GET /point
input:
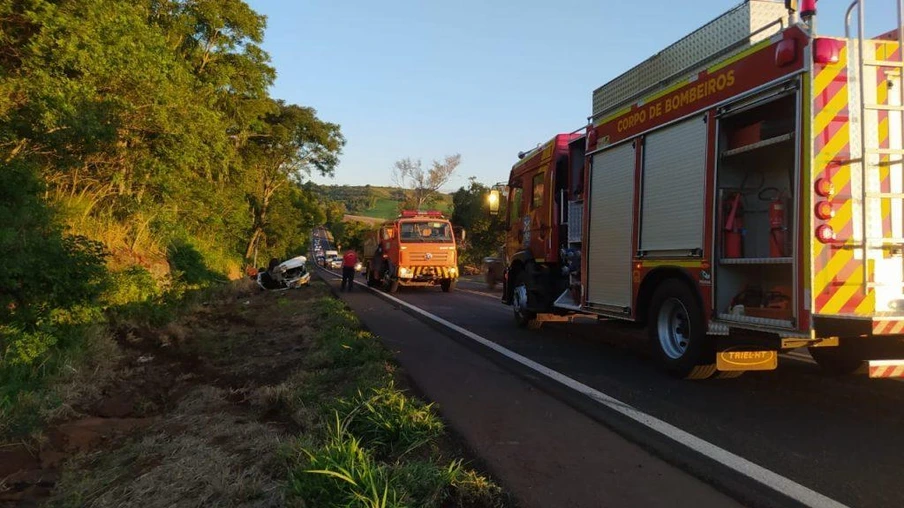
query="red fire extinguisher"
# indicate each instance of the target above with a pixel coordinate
(777, 227)
(732, 238)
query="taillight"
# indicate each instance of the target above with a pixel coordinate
(824, 210)
(825, 234)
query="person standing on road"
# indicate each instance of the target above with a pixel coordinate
(349, 260)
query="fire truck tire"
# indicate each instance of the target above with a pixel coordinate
(448, 285)
(393, 287)
(523, 317)
(677, 333)
(844, 359)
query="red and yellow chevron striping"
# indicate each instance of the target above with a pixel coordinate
(886, 369)
(888, 327)
(837, 280)
(837, 270)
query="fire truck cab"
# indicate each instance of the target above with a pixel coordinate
(741, 193)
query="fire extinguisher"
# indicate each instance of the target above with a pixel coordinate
(777, 225)
(732, 235)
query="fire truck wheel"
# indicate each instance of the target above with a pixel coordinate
(393, 287)
(677, 333)
(448, 285)
(519, 301)
(844, 359)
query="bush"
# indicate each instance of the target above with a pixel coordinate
(130, 286)
(188, 264)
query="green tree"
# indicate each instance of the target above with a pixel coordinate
(485, 232)
(139, 132)
(291, 144)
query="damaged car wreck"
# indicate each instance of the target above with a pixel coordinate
(289, 274)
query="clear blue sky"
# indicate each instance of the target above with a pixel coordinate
(484, 78)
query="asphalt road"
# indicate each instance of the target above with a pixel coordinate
(842, 437)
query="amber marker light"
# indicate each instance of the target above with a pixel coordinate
(824, 210)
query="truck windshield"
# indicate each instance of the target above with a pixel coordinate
(425, 232)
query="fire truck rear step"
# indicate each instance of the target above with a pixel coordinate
(565, 301)
(757, 321)
(885, 368)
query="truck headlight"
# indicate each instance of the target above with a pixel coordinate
(404, 272)
(453, 271)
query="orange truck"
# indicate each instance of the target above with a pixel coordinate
(741, 193)
(415, 249)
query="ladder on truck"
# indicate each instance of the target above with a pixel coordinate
(875, 238)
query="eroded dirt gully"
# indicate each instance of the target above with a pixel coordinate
(188, 415)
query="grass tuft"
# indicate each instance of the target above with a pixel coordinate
(389, 422)
(341, 473)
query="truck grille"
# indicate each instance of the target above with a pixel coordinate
(436, 257)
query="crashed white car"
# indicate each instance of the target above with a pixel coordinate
(289, 274)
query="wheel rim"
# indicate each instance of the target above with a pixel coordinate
(674, 328)
(519, 299)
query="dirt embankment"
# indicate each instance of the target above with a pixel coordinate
(186, 417)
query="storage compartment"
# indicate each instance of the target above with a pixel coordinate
(756, 189)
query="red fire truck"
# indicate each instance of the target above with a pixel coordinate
(741, 193)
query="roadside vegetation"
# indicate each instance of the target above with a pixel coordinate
(251, 399)
(143, 161)
(485, 232)
(375, 445)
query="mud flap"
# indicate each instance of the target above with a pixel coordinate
(744, 350)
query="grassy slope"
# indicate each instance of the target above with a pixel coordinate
(387, 208)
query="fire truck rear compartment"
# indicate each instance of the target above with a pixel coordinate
(756, 184)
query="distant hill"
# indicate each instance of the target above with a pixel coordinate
(373, 201)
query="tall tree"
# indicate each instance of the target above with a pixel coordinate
(421, 184)
(291, 144)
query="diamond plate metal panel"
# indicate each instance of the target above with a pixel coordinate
(692, 53)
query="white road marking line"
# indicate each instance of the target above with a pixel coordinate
(479, 293)
(734, 462)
